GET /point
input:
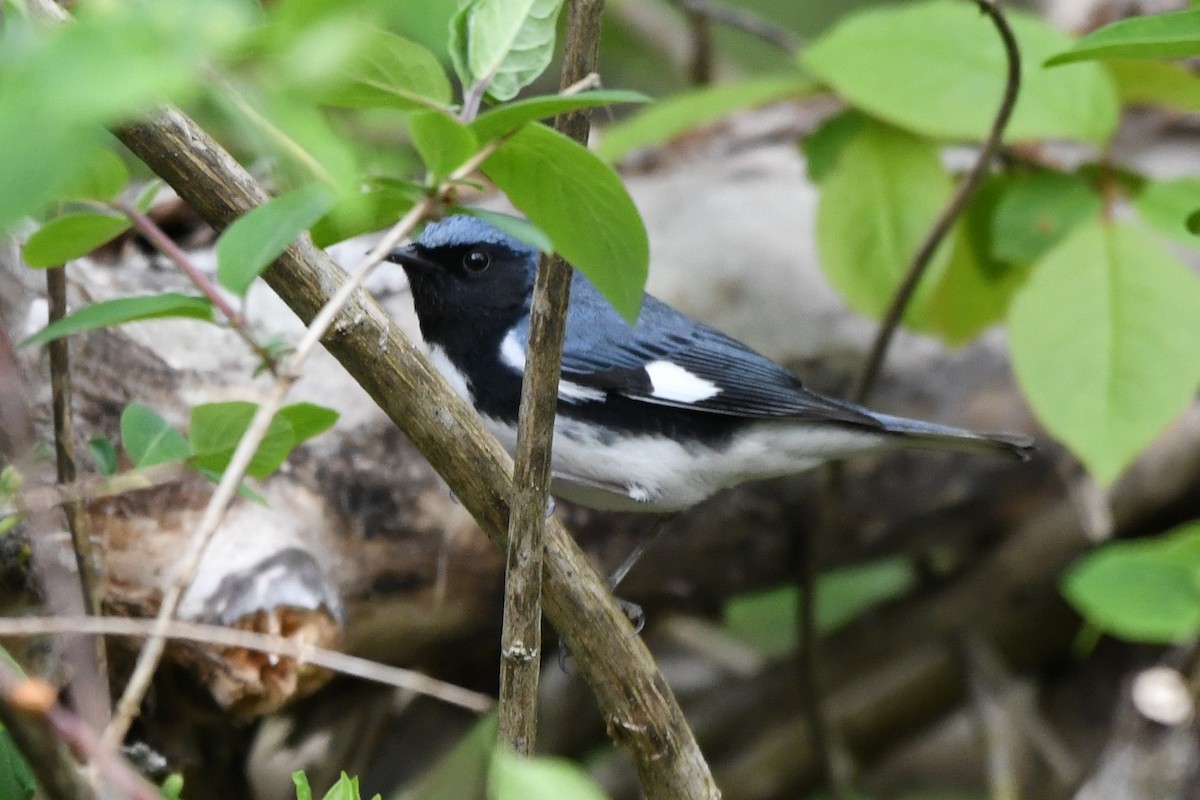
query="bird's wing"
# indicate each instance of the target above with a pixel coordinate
(671, 360)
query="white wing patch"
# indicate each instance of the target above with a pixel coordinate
(457, 381)
(673, 382)
(512, 354)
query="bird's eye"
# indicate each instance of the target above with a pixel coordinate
(476, 261)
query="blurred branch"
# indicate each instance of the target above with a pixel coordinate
(743, 19)
(945, 221)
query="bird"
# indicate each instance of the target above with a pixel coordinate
(653, 417)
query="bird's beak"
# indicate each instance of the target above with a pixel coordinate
(409, 257)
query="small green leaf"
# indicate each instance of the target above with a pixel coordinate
(579, 201)
(393, 72)
(516, 778)
(346, 788)
(823, 147)
(103, 454)
(145, 198)
(149, 439)
(257, 238)
(362, 212)
(308, 419)
(303, 790)
(1037, 211)
(172, 787)
(216, 428)
(496, 122)
(673, 116)
(72, 236)
(1175, 34)
(16, 778)
(505, 42)
(1141, 591)
(975, 291)
(1105, 343)
(516, 227)
(938, 68)
(876, 207)
(443, 142)
(1156, 83)
(1167, 205)
(109, 313)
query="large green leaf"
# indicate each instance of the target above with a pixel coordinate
(1167, 204)
(675, 115)
(1156, 83)
(498, 121)
(216, 428)
(73, 236)
(875, 208)
(580, 203)
(1037, 210)
(1172, 35)
(505, 42)
(974, 292)
(1106, 344)
(16, 778)
(256, 238)
(121, 310)
(149, 439)
(823, 147)
(443, 142)
(390, 71)
(938, 68)
(1143, 591)
(364, 211)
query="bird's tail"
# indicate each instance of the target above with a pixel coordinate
(917, 432)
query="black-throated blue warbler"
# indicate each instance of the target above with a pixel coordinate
(654, 417)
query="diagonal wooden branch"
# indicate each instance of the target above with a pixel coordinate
(520, 643)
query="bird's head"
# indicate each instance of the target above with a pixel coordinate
(465, 270)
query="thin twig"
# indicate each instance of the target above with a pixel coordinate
(743, 20)
(64, 452)
(214, 512)
(703, 50)
(221, 636)
(521, 635)
(941, 227)
(165, 245)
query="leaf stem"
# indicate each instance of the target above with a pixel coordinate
(941, 227)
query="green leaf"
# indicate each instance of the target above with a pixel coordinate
(308, 419)
(108, 313)
(257, 238)
(16, 778)
(505, 42)
(496, 122)
(823, 147)
(516, 778)
(216, 428)
(579, 201)
(103, 454)
(393, 72)
(1156, 83)
(172, 787)
(70, 237)
(1172, 35)
(463, 773)
(303, 790)
(1193, 222)
(1105, 343)
(346, 788)
(516, 227)
(1142, 591)
(938, 68)
(145, 197)
(362, 212)
(1167, 204)
(443, 142)
(149, 439)
(104, 177)
(672, 116)
(1037, 210)
(975, 291)
(875, 208)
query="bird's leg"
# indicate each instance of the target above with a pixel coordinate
(633, 610)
